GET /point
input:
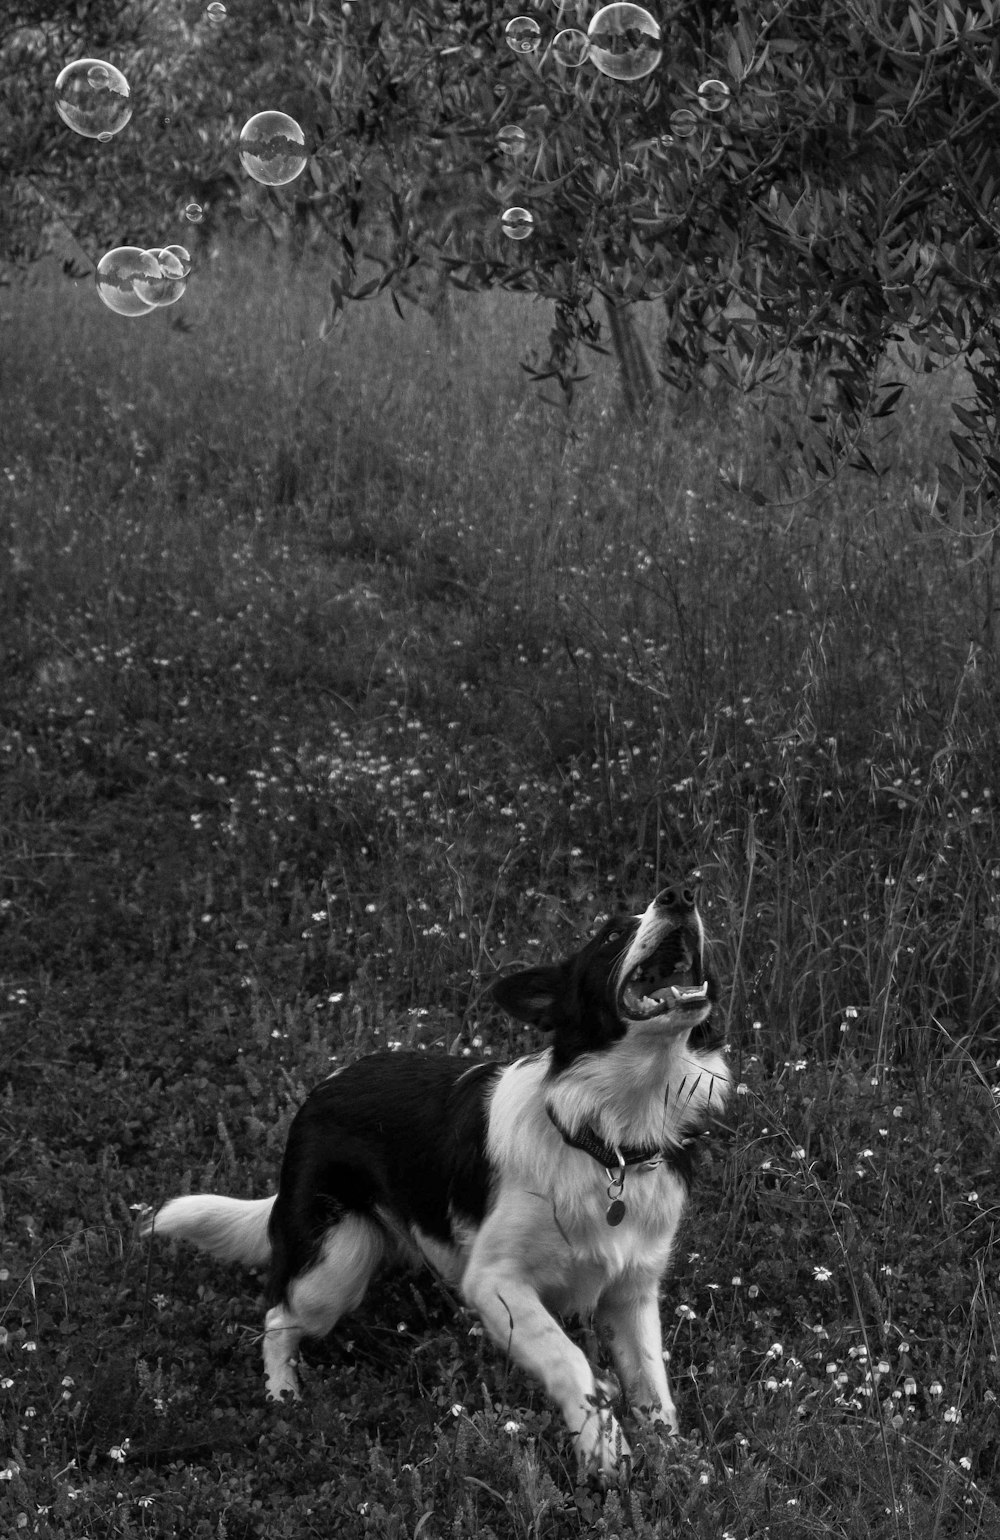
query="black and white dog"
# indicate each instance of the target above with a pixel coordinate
(550, 1186)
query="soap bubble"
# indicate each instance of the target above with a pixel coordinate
(216, 11)
(119, 275)
(93, 98)
(272, 148)
(713, 96)
(683, 123)
(169, 285)
(512, 140)
(570, 47)
(624, 42)
(194, 213)
(517, 223)
(183, 256)
(523, 34)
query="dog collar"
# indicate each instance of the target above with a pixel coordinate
(612, 1157)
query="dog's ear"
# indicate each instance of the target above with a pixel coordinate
(531, 995)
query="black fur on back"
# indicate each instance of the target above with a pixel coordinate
(401, 1132)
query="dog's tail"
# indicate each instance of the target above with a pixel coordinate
(234, 1229)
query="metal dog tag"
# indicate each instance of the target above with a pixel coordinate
(616, 1212)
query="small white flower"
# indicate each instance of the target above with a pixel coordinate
(512, 1427)
(457, 1409)
(952, 1414)
(822, 1274)
(685, 1313)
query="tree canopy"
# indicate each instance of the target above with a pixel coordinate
(788, 175)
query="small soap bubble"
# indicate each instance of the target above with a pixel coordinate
(683, 123)
(272, 148)
(194, 213)
(169, 284)
(517, 223)
(93, 98)
(523, 34)
(512, 140)
(713, 96)
(570, 48)
(624, 42)
(119, 274)
(216, 11)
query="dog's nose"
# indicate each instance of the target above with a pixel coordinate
(678, 897)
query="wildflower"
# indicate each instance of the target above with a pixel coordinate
(457, 1409)
(952, 1414)
(935, 1389)
(512, 1427)
(822, 1274)
(685, 1313)
(119, 1452)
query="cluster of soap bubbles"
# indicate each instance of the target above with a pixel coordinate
(622, 41)
(133, 282)
(94, 99)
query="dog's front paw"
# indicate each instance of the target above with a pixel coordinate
(282, 1380)
(601, 1446)
(658, 1418)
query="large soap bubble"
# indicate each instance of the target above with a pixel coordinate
(93, 98)
(120, 275)
(624, 42)
(272, 148)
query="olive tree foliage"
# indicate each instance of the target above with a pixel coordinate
(848, 195)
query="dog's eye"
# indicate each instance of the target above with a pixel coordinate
(612, 937)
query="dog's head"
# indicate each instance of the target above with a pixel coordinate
(644, 973)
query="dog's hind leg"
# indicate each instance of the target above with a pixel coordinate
(314, 1301)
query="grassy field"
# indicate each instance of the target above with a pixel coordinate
(334, 678)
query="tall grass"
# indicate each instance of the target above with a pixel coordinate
(336, 676)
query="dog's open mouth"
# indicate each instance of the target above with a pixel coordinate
(669, 979)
